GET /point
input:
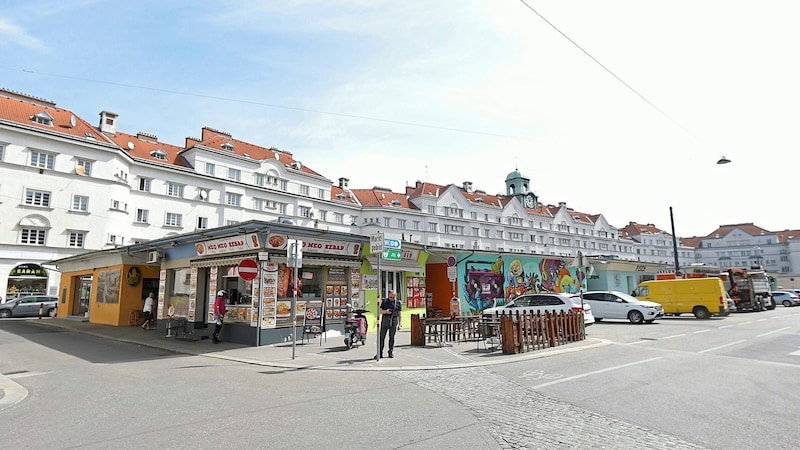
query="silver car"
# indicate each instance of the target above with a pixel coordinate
(29, 306)
(785, 298)
(619, 305)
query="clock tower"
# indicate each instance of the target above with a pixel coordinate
(518, 186)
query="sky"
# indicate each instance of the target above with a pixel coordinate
(619, 108)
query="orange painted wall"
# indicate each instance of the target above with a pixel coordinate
(439, 286)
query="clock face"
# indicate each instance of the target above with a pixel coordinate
(529, 201)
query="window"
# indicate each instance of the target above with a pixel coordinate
(338, 217)
(304, 190)
(2, 151)
(304, 211)
(321, 194)
(272, 180)
(142, 216)
(500, 234)
(202, 223)
(80, 203)
(42, 160)
(76, 239)
(455, 211)
(432, 227)
(476, 231)
(174, 190)
(231, 222)
(258, 204)
(211, 169)
(323, 215)
(415, 225)
(173, 220)
(159, 154)
(473, 215)
(84, 167)
(515, 221)
(43, 118)
(258, 179)
(387, 222)
(431, 209)
(32, 236)
(401, 223)
(281, 208)
(233, 199)
(118, 205)
(144, 184)
(37, 198)
(234, 174)
(283, 184)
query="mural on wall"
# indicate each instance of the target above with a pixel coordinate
(490, 281)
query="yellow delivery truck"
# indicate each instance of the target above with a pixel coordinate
(703, 297)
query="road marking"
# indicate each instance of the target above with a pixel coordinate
(745, 323)
(722, 346)
(674, 336)
(13, 393)
(795, 353)
(773, 331)
(726, 326)
(596, 372)
(702, 331)
(760, 320)
(14, 376)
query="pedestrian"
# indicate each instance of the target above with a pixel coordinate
(390, 321)
(219, 314)
(148, 310)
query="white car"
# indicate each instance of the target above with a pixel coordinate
(542, 302)
(619, 305)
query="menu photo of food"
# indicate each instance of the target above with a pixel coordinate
(336, 303)
(300, 308)
(276, 241)
(267, 321)
(337, 290)
(283, 309)
(329, 290)
(329, 302)
(329, 314)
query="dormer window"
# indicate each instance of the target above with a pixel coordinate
(43, 118)
(228, 146)
(90, 135)
(159, 154)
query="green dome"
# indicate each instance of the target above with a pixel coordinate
(515, 175)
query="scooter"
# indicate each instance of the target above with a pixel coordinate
(355, 328)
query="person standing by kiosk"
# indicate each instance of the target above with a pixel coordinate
(219, 314)
(390, 321)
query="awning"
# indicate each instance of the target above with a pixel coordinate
(404, 265)
(216, 262)
(312, 261)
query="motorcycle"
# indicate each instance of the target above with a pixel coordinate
(355, 328)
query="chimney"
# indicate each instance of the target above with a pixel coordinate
(343, 182)
(562, 204)
(468, 186)
(108, 122)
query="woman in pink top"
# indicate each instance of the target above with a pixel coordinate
(219, 313)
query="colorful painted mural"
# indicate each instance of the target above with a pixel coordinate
(492, 281)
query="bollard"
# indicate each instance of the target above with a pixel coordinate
(41, 309)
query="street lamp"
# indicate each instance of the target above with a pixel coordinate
(675, 244)
(758, 256)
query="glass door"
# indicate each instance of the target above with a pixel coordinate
(82, 298)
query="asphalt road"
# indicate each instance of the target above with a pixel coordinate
(731, 383)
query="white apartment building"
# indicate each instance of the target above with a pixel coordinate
(67, 187)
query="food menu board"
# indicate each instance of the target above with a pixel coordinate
(355, 289)
(212, 292)
(269, 295)
(313, 316)
(335, 302)
(415, 292)
(162, 289)
(192, 296)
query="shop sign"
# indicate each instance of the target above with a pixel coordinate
(28, 270)
(228, 245)
(324, 246)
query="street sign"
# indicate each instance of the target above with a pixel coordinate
(451, 261)
(452, 273)
(376, 243)
(391, 243)
(248, 269)
(392, 254)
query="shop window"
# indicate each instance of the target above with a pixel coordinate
(179, 287)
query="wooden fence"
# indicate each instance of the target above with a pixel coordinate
(524, 332)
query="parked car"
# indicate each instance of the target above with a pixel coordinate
(29, 306)
(542, 302)
(785, 298)
(619, 305)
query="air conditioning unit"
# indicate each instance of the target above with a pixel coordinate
(153, 256)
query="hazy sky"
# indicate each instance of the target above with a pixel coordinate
(389, 92)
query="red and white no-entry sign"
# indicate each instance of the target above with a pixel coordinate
(248, 269)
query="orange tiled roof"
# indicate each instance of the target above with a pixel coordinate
(20, 108)
(748, 228)
(143, 146)
(382, 197)
(340, 195)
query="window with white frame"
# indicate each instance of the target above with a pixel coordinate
(258, 179)
(42, 160)
(401, 223)
(202, 223)
(258, 204)
(304, 211)
(211, 169)
(321, 193)
(144, 184)
(515, 221)
(476, 231)
(415, 224)
(281, 208)
(338, 217)
(454, 229)
(119, 205)
(486, 232)
(173, 220)
(84, 167)
(515, 236)
(233, 199)
(455, 211)
(174, 189)
(283, 185)
(2, 151)
(234, 174)
(431, 209)
(76, 239)
(323, 215)
(80, 203)
(473, 215)
(35, 197)
(387, 222)
(32, 236)
(499, 234)
(142, 216)
(43, 118)
(432, 227)
(272, 180)
(304, 190)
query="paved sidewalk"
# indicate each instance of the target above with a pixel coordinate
(322, 353)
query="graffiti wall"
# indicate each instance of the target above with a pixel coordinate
(488, 281)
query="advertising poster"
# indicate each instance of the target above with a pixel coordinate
(212, 292)
(268, 294)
